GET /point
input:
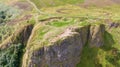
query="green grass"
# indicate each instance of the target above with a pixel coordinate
(61, 23)
(5, 31)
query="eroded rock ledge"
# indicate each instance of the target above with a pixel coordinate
(66, 52)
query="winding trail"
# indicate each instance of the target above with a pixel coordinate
(40, 12)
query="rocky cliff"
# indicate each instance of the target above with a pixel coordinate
(66, 50)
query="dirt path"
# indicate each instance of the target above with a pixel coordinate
(35, 7)
(38, 10)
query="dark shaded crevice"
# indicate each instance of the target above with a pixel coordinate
(23, 38)
(88, 36)
(108, 42)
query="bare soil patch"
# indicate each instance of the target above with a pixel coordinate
(99, 3)
(23, 5)
(111, 24)
(12, 22)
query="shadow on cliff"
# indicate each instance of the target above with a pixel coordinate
(108, 42)
(89, 56)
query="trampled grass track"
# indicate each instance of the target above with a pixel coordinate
(35, 7)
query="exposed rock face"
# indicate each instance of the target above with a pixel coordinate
(67, 52)
(96, 36)
(114, 25)
(24, 34)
